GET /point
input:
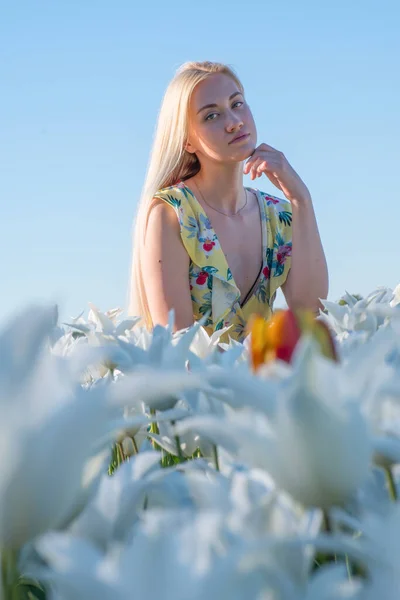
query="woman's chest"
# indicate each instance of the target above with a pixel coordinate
(241, 241)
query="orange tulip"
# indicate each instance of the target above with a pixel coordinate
(277, 338)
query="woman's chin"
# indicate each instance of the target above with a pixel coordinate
(247, 150)
(249, 154)
(245, 153)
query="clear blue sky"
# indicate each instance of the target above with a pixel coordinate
(81, 84)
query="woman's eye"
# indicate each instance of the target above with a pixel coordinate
(214, 113)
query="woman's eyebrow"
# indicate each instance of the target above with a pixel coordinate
(214, 105)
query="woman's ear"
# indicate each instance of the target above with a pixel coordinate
(189, 148)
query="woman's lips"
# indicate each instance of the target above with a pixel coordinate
(240, 139)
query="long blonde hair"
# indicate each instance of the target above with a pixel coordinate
(169, 163)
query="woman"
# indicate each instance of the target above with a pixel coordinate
(204, 244)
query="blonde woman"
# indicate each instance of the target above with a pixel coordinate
(203, 243)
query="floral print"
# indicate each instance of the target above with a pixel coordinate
(272, 200)
(215, 296)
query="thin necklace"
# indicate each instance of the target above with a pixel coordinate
(220, 211)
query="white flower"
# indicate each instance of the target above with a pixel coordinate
(395, 301)
(50, 431)
(193, 557)
(365, 315)
(103, 322)
(315, 445)
(157, 388)
(73, 569)
(109, 516)
(377, 543)
(332, 582)
(204, 345)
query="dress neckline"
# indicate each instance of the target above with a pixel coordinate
(250, 294)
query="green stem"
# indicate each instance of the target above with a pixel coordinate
(154, 429)
(9, 574)
(216, 461)
(327, 525)
(154, 425)
(326, 521)
(349, 567)
(135, 445)
(114, 460)
(391, 484)
(120, 454)
(178, 445)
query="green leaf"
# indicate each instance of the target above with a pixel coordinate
(175, 202)
(30, 589)
(204, 309)
(210, 270)
(270, 254)
(279, 268)
(285, 217)
(186, 192)
(262, 294)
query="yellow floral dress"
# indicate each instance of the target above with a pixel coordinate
(215, 295)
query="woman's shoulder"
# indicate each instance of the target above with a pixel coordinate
(179, 198)
(169, 188)
(177, 191)
(271, 200)
(180, 187)
(277, 209)
(171, 194)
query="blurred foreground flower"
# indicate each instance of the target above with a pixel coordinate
(43, 408)
(315, 442)
(233, 473)
(278, 337)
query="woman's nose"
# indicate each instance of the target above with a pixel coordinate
(234, 123)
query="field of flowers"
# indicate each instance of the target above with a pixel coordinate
(156, 467)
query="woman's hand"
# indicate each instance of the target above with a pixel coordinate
(274, 164)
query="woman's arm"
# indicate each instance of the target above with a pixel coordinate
(165, 268)
(307, 280)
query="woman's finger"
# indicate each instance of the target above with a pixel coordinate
(249, 164)
(262, 167)
(269, 167)
(254, 166)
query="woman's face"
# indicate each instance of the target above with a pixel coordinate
(212, 128)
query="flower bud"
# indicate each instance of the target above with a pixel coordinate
(277, 338)
(128, 447)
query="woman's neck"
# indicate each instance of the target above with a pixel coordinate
(221, 188)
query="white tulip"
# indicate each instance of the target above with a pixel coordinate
(50, 430)
(316, 445)
(107, 515)
(203, 344)
(333, 583)
(377, 541)
(158, 389)
(191, 557)
(76, 569)
(395, 301)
